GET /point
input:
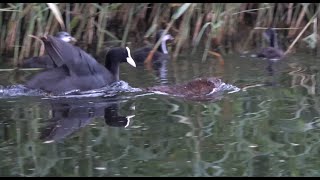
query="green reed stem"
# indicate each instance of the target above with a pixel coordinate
(103, 21)
(17, 40)
(126, 31)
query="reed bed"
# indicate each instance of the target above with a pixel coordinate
(218, 28)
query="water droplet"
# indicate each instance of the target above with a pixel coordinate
(135, 127)
(189, 134)
(49, 141)
(100, 168)
(293, 144)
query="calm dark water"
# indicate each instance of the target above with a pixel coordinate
(269, 130)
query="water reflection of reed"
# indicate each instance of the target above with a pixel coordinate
(301, 77)
(202, 126)
(261, 132)
(256, 139)
(170, 138)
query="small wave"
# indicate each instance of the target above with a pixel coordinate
(19, 90)
(227, 87)
(107, 91)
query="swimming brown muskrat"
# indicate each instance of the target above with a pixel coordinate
(200, 89)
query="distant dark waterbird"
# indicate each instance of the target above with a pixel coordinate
(273, 52)
(159, 60)
(141, 54)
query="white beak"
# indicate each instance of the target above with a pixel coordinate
(129, 59)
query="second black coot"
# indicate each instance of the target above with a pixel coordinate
(162, 53)
(45, 61)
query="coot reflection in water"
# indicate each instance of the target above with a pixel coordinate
(70, 115)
